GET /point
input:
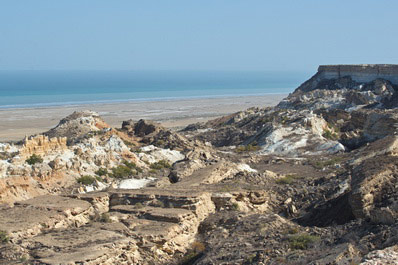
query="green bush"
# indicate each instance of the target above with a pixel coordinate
(101, 172)
(4, 237)
(86, 180)
(125, 170)
(132, 165)
(160, 165)
(328, 134)
(33, 159)
(302, 241)
(121, 171)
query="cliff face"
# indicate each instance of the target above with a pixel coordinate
(42, 145)
(362, 73)
(347, 87)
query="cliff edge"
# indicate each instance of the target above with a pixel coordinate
(347, 87)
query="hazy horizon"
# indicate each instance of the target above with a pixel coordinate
(195, 36)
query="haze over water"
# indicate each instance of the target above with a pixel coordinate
(21, 89)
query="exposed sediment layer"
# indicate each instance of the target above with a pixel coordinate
(361, 72)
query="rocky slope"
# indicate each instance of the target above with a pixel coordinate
(310, 181)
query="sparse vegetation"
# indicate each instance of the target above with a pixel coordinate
(4, 237)
(86, 180)
(160, 143)
(246, 148)
(128, 143)
(33, 159)
(292, 230)
(152, 171)
(331, 132)
(136, 150)
(159, 204)
(138, 205)
(319, 164)
(160, 165)
(125, 170)
(121, 171)
(94, 133)
(288, 179)
(196, 251)
(101, 172)
(302, 241)
(235, 206)
(284, 119)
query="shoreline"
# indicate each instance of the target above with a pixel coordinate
(125, 101)
(174, 113)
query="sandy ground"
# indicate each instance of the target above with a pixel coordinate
(16, 123)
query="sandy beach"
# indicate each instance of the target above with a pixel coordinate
(16, 123)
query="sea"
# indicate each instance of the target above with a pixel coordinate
(36, 89)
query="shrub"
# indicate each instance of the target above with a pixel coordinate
(246, 148)
(125, 170)
(152, 171)
(160, 164)
(196, 251)
(328, 134)
(4, 237)
(86, 180)
(158, 203)
(33, 159)
(326, 163)
(121, 171)
(138, 205)
(101, 172)
(288, 179)
(302, 241)
(132, 165)
(160, 142)
(235, 206)
(198, 247)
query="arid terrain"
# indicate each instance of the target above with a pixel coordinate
(313, 180)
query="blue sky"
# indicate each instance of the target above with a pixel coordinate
(251, 35)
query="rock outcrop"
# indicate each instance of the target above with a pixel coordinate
(78, 125)
(42, 145)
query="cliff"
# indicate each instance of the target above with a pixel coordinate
(347, 87)
(356, 73)
(362, 73)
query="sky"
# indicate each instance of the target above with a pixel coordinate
(215, 35)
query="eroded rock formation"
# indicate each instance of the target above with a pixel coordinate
(311, 181)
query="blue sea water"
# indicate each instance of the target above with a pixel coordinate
(23, 89)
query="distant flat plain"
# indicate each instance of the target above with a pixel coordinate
(16, 123)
